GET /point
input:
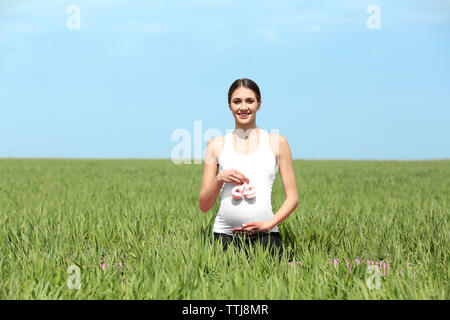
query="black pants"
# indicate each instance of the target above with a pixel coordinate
(270, 241)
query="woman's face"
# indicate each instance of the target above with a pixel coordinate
(244, 105)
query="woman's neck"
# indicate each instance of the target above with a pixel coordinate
(244, 131)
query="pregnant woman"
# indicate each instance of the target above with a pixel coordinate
(242, 166)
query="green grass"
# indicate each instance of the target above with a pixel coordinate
(144, 214)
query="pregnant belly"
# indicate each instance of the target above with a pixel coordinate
(236, 214)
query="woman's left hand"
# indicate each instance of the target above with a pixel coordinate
(253, 227)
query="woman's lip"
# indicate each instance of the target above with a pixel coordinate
(244, 115)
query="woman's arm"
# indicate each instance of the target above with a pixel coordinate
(289, 183)
(210, 184)
(211, 181)
(290, 191)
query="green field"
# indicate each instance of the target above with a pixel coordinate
(144, 214)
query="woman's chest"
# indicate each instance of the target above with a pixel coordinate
(255, 165)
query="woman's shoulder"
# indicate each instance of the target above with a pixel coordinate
(216, 145)
(277, 142)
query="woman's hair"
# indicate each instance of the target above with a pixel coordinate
(247, 83)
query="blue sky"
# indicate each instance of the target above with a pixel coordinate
(136, 71)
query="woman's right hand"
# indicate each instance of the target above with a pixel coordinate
(232, 176)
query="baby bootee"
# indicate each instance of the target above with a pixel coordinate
(238, 191)
(249, 191)
(246, 190)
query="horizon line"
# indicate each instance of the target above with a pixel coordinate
(195, 161)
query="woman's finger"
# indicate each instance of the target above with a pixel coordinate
(238, 176)
(241, 179)
(234, 181)
(238, 229)
(241, 174)
(249, 224)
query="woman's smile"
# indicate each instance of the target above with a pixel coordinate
(243, 114)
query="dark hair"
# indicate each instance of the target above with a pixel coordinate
(247, 83)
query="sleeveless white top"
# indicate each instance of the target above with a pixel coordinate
(260, 167)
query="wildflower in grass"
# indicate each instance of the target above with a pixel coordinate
(293, 265)
(348, 266)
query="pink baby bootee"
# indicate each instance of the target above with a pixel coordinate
(246, 190)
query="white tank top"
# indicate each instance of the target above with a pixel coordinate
(260, 167)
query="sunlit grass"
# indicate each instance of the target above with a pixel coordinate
(144, 215)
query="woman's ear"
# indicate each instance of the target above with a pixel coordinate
(259, 106)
